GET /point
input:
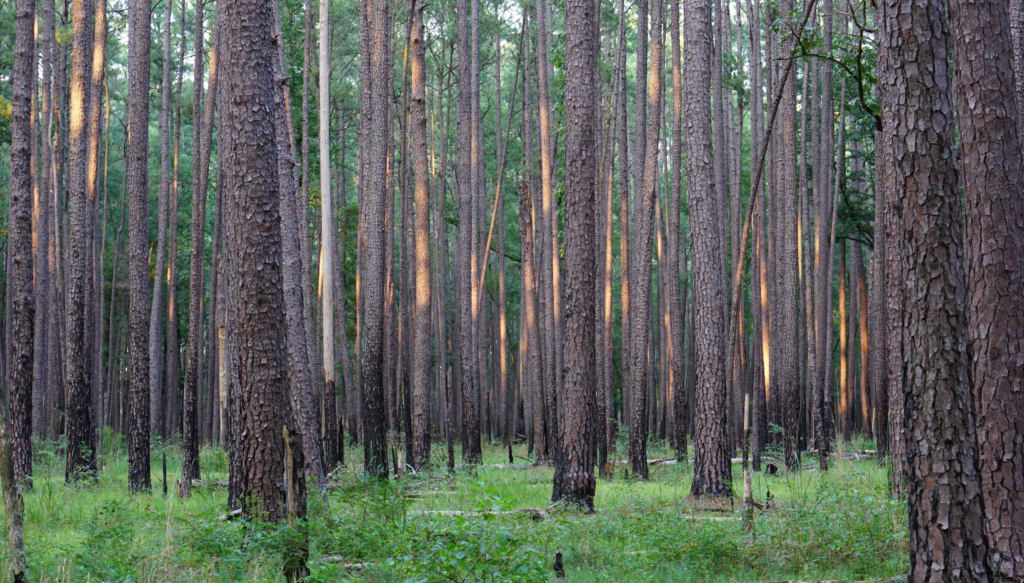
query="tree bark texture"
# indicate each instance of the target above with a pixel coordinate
(994, 195)
(712, 471)
(253, 200)
(947, 535)
(578, 400)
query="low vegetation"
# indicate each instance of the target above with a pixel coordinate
(432, 526)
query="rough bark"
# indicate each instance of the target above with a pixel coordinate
(327, 235)
(14, 505)
(759, 307)
(303, 399)
(20, 300)
(42, 224)
(157, 399)
(253, 197)
(202, 138)
(712, 471)
(377, 22)
(676, 258)
(577, 401)
(1016, 15)
(640, 261)
(547, 231)
(420, 429)
(784, 317)
(947, 535)
(987, 112)
(81, 434)
(622, 116)
(877, 338)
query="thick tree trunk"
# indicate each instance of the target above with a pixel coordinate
(42, 211)
(712, 471)
(377, 22)
(824, 277)
(94, 297)
(947, 534)
(17, 447)
(577, 400)
(305, 418)
(252, 172)
(784, 317)
(994, 195)
(640, 261)
(420, 430)
(81, 435)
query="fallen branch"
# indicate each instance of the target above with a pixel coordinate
(230, 515)
(345, 565)
(537, 514)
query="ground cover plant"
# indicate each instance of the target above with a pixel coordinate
(486, 523)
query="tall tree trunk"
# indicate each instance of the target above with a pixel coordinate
(94, 297)
(857, 258)
(806, 249)
(712, 471)
(502, 336)
(41, 226)
(877, 337)
(547, 231)
(824, 277)
(606, 398)
(577, 401)
(845, 407)
(202, 138)
(157, 399)
(81, 435)
(420, 430)
(784, 317)
(305, 418)
(640, 261)
(947, 539)
(532, 296)
(471, 413)
(464, 186)
(377, 21)
(173, 345)
(994, 196)
(622, 117)
(20, 301)
(253, 192)
(676, 258)
(327, 234)
(758, 265)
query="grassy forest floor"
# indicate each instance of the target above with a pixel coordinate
(842, 524)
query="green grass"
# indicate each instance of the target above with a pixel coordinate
(836, 525)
